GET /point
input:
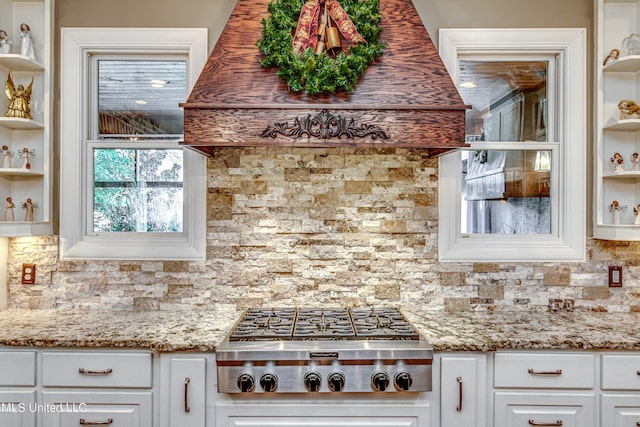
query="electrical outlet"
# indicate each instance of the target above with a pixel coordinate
(28, 274)
(615, 276)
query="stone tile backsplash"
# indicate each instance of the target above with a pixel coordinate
(323, 226)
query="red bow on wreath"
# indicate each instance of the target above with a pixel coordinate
(306, 34)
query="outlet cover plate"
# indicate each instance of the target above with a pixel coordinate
(28, 274)
(615, 276)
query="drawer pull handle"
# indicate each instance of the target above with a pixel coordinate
(556, 372)
(85, 372)
(187, 409)
(459, 406)
(84, 422)
(557, 423)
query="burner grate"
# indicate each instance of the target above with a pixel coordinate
(382, 323)
(323, 324)
(265, 324)
(285, 324)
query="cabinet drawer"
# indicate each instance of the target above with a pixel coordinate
(620, 410)
(18, 368)
(620, 372)
(544, 409)
(66, 369)
(78, 409)
(545, 370)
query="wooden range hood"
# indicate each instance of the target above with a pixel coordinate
(405, 99)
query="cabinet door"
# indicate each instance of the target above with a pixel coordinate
(23, 368)
(95, 408)
(621, 372)
(462, 386)
(531, 409)
(183, 391)
(321, 422)
(97, 415)
(620, 410)
(17, 408)
(323, 412)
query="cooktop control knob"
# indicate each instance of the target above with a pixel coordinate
(269, 382)
(380, 381)
(403, 381)
(312, 381)
(336, 381)
(246, 383)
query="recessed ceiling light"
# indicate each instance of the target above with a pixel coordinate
(158, 82)
(141, 102)
(156, 85)
(468, 85)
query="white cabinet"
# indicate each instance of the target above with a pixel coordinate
(544, 370)
(96, 369)
(183, 392)
(520, 409)
(322, 412)
(17, 388)
(620, 410)
(544, 389)
(90, 408)
(16, 408)
(18, 181)
(620, 399)
(97, 388)
(463, 390)
(614, 133)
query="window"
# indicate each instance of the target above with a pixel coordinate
(518, 192)
(128, 190)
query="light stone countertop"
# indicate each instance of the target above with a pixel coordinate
(156, 330)
(202, 331)
(528, 330)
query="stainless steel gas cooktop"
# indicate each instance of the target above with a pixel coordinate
(300, 350)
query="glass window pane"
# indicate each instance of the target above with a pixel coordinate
(508, 99)
(137, 190)
(506, 192)
(140, 99)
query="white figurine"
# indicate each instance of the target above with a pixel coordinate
(5, 43)
(26, 48)
(617, 162)
(8, 213)
(29, 207)
(636, 213)
(615, 208)
(6, 157)
(27, 154)
(635, 162)
(613, 55)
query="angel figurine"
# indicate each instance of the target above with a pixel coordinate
(616, 208)
(636, 213)
(26, 47)
(613, 55)
(617, 162)
(8, 213)
(6, 156)
(29, 207)
(5, 43)
(19, 99)
(635, 162)
(26, 155)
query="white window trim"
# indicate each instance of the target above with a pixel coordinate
(568, 242)
(75, 241)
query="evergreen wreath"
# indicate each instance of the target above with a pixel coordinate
(319, 73)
